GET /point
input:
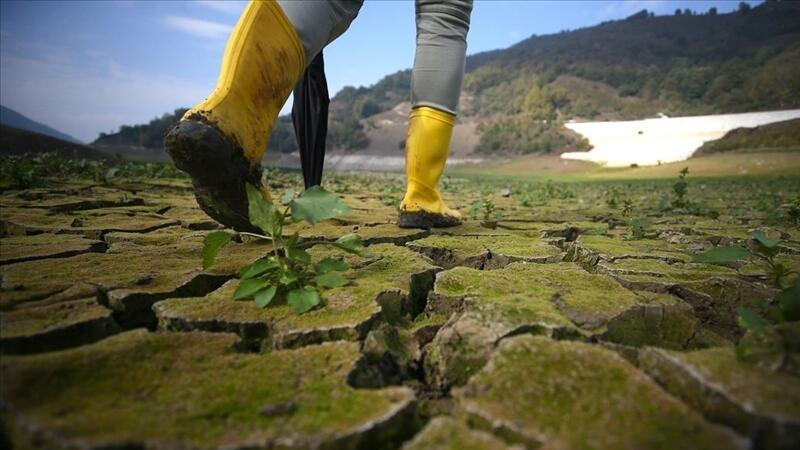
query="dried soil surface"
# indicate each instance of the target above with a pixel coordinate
(550, 324)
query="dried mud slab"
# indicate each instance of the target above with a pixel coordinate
(559, 300)
(71, 199)
(445, 433)
(378, 233)
(757, 402)
(136, 271)
(392, 281)
(32, 329)
(91, 224)
(661, 320)
(27, 248)
(561, 394)
(192, 390)
(588, 250)
(485, 252)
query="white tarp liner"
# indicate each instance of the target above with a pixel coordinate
(650, 141)
(380, 162)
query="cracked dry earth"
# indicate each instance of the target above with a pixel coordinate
(536, 333)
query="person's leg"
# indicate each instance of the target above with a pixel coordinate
(220, 141)
(435, 86)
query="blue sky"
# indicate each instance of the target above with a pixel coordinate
(89, 66)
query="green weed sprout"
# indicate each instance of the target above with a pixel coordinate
(486, 210)
(680, 188)
(638, 227)
(288, 271)
(766, 249)
(761, 248)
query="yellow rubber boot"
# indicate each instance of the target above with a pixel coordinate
(220, 141)
(427, 146)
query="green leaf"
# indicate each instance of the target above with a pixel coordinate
(723, 254)
(749, 319)
(298, 255)
(790, 302)
(263, 213)
(330, 264)
(288, 196)
(249, 287)
(264, 296)
(762, 238)
(303, 299)
(212, 244)
(350, 243)
(287, 279)
(316, 204)
(331, 280)
(257, 268)
(294, 253)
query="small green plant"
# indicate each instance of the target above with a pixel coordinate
(33, 170)
(793, 211)
(611, 198)
(680, 188)
(287, 271)
(761, 248)
(627, 207)
(787, 307)
(390, 195)
(638, 227)
(525, 199)
(486, 210)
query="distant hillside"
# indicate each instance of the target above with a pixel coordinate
(779, 136)
(683, 64)
(145, 141)
(140, 140)
(14, 141)
(14, 119)
(516, 100)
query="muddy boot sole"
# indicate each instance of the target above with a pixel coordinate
(425, 219)
(218, 168)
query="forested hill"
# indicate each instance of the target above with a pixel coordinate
(682, 64)
(692, 62)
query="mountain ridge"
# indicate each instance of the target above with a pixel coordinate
(14, 119)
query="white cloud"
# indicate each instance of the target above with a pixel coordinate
(226, 6)
(83, 95)
(198, 27)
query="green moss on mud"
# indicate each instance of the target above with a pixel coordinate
(761, 403)
(445, 433)
(192, 389)
(20, 248)
(548, 291)
(32, 320)
(458, 250)
(766, 390)
(662, 271)
(610, 247)
(537, 390)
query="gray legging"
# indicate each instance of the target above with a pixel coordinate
(442, 27)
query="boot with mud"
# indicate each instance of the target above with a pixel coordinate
(220, 142)
(427, 145)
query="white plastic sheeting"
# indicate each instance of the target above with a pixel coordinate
(662, 140)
